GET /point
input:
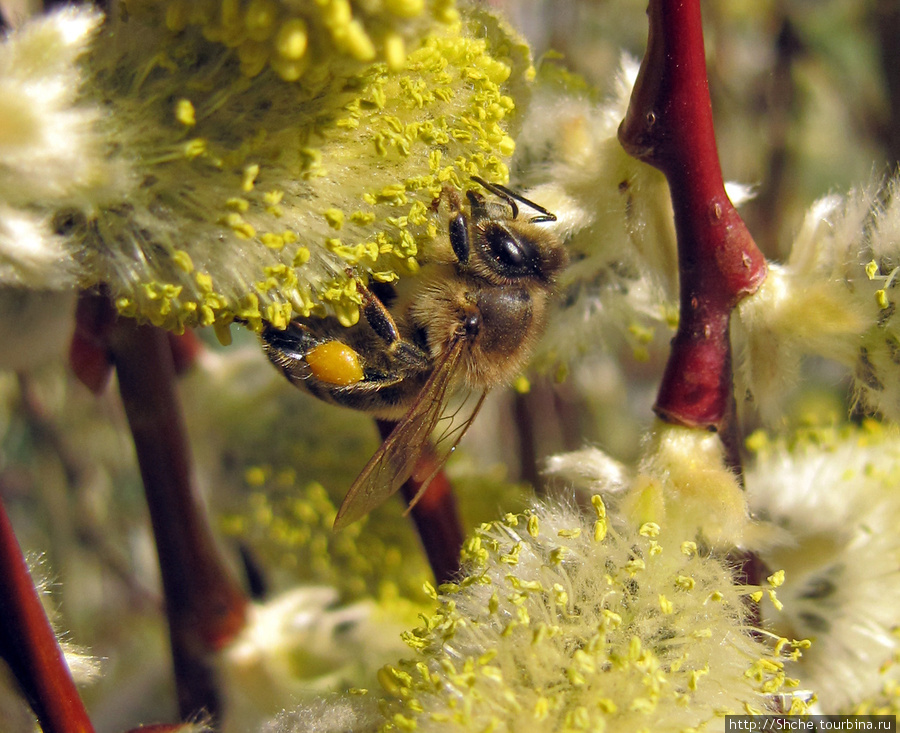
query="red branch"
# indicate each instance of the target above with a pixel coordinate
(435, 516)
(29, 646)
(204, 605)
(669, 126)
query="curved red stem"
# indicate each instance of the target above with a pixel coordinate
(29, 646)
(669, 126)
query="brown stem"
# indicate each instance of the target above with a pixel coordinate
(436, 516)
(29, 646)
(669, 126)
(204, 605)
(887, 22)
(526, 439)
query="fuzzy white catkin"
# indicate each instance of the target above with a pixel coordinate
(567, 621)
(339, 645)
(334, 714)
(613, 212)
(201, 185)
(835, 297)
(50, 156)
(834, 498)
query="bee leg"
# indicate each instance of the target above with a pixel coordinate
(459, 228)
(382, 323)
(378, 316)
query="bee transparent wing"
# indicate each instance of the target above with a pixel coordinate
(395, 460)
(446, 444)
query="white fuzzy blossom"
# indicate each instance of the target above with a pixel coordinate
(563, 622)
(834, 496)
(50, 155)
(833, 298)
(680, 482)
(825, 511)
(220, 163)
(329, 714)
(300, 646)
(613, 212)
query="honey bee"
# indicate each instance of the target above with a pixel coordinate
(470, 318)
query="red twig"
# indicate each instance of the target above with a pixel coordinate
(29, 646)
(669, 125)
(89, 356)
(204, 605)
(435, 516)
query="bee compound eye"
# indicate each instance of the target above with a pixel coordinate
(335, 363)
(506, 249)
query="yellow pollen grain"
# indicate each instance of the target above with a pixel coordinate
(405, 8)
(253, 56)
(248, 177)
(358, 42)
(289, 69)
(204, 282)
(272, 240)
(506, 146)
(184, 113)
(236, 203)
(301, 257)
(665, 605)
(194, 148)
(259, 19)
(335, 218)
(394, 51)
(242, 228)
(291, 39)
(337, 13)
(522, 385)
(183, 261)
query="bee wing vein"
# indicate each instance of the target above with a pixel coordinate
(395, 460)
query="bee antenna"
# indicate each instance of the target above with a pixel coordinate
(511, 197)
(502, 192)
